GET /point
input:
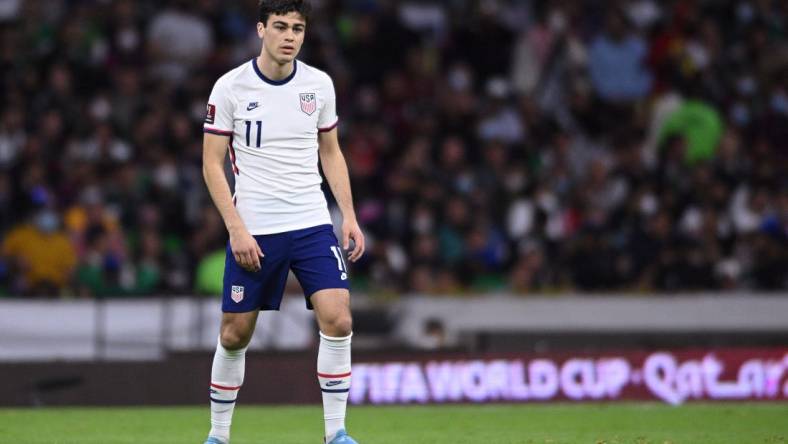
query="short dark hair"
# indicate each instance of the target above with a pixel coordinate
(282, 7)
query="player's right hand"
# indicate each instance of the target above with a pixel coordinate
(246, 250)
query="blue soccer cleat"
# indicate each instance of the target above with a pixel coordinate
(342, 438)
(214, 440)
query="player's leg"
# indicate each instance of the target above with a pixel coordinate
(320, 268)
(245, 293)
(332, 310)
(227, 372)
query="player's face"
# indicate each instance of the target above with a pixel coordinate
(283, 36)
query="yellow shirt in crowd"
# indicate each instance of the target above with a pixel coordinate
(44, 257)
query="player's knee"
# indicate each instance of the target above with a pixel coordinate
(233, 339)
(340, 326)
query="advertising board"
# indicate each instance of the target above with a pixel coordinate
(674, 377)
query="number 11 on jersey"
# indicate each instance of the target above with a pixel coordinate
(259, 125)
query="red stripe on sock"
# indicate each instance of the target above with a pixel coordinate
(221, 387)
(326, 375)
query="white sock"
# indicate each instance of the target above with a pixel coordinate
(227, 376)
(333, 373)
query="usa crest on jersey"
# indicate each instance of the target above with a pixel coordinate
(308, 103)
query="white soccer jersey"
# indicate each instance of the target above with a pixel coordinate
(273, 128)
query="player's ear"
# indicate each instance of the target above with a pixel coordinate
(260, 29)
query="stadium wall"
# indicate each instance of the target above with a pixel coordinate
(150, 329)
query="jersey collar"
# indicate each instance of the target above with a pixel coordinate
(274, 82)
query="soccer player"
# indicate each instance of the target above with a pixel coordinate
(277, 115)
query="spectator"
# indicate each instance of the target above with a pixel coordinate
(617, 62)
(178, 40)
(39, 255)
(700, 125)
(636, 149)
(210, 272)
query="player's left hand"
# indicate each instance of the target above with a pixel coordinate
(351, 230)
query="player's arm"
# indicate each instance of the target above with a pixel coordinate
(245, 248)
(336, 172)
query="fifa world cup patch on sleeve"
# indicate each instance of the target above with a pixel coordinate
(211, 115)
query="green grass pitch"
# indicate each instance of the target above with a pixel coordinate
(637, 423)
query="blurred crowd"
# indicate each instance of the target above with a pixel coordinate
(518, 146)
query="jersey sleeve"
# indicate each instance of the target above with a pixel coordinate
(328, 120)
(219, 115)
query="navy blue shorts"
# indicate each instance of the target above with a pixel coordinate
(313, 254)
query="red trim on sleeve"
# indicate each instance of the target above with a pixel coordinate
(218, 132)
(329, 128)
(232, 158)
